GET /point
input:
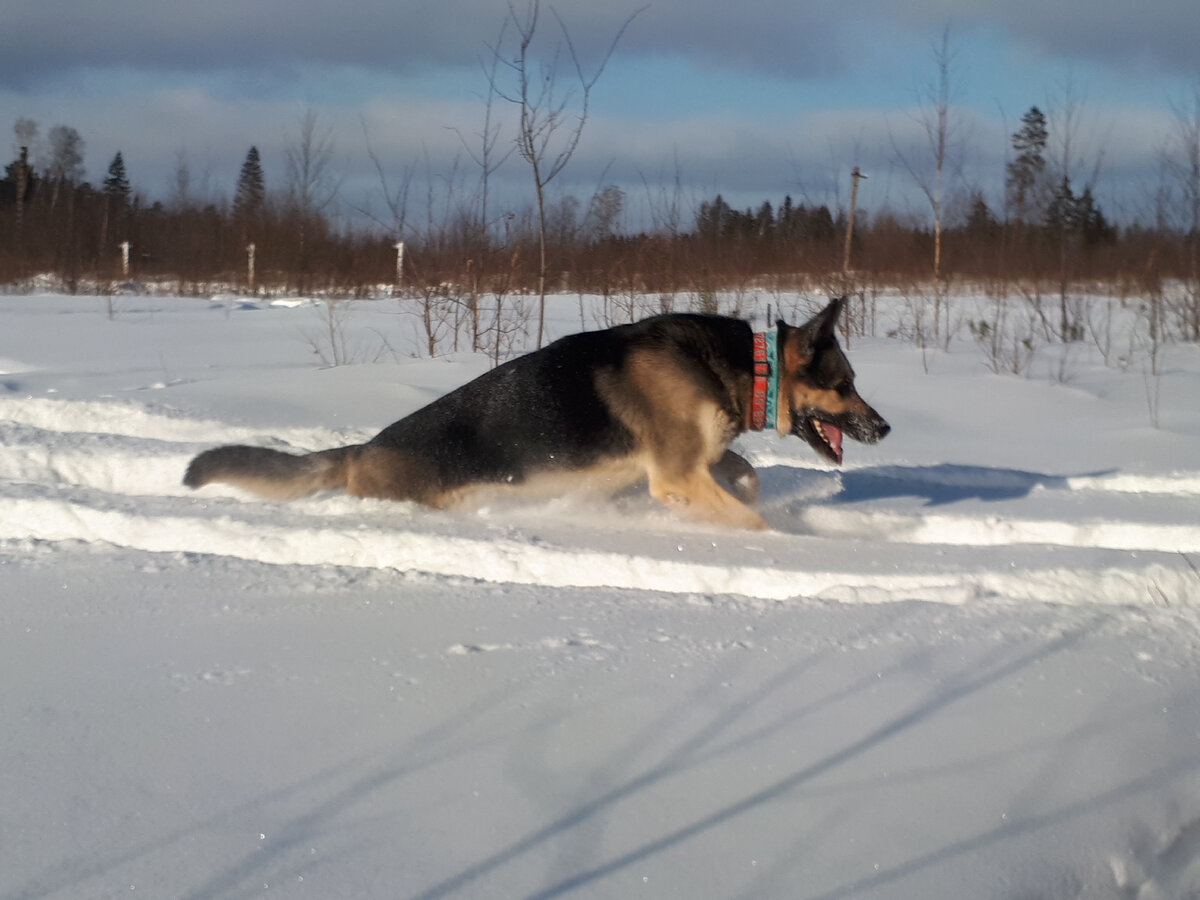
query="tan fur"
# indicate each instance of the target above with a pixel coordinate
(830, 401)
(791, 360)
(385, 474)
(602, 480)
(281, 492)
(697, 495)
(682, 434)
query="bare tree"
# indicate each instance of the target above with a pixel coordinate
(1066, 116)
(488, 159)
(311, 184)
(604, 209)
(25, 132)
(310, 181)
(546, 136)
(665, 202)
(1182, 164)
(486, 156)
(395, 198)
(64, 164)
(943, 136)
(181, 183)
(1065, 161)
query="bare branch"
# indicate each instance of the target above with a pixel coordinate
(542, 115)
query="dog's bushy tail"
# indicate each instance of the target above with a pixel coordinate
(272, 474)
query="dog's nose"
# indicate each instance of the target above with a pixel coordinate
(883, 430)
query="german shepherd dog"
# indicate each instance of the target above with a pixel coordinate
(657, 401)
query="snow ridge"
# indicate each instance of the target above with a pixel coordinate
(108, 473)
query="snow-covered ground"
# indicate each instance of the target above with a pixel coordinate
(965, 665)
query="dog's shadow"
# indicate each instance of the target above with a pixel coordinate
(936, 485)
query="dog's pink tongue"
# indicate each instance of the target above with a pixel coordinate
(834, 435)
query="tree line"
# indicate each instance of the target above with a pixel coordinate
(54, 221)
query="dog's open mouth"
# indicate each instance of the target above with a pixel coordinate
(829, 435)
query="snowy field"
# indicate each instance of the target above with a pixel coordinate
(967, 664)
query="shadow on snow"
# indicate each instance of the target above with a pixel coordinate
(937, 485)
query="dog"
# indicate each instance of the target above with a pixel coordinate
(657, 401)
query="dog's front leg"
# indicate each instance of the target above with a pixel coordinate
(697, 495)
(740, 476)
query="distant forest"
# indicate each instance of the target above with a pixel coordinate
(55, 223)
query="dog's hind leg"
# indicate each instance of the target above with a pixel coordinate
(387, 474)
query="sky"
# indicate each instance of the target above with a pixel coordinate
(754, 100)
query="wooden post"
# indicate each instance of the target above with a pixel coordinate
(22, 183)
(855, 177)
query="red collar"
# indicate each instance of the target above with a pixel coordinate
(762, 380)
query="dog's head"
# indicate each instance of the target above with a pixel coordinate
(817, 399)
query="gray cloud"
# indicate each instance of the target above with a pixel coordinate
(236, 34)
(216, 77)
(43, 40)
(1108, 33)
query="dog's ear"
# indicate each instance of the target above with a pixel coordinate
(801, 341)
(825, 322)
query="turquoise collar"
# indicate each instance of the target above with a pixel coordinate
(764, 399)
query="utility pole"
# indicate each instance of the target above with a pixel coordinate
(22, 182)
(855, 177)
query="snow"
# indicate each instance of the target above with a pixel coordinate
(967, 664)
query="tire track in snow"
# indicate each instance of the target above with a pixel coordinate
(108, 473)
(302, 539)
(1002, 531)
(74, 418)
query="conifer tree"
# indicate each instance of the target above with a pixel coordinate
(1025, 175)
(981, 223)
(116, 201)
(116, 182)
(712, 219)
(1091, 222)
(251, 192)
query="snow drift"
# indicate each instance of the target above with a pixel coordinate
(963, 665)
